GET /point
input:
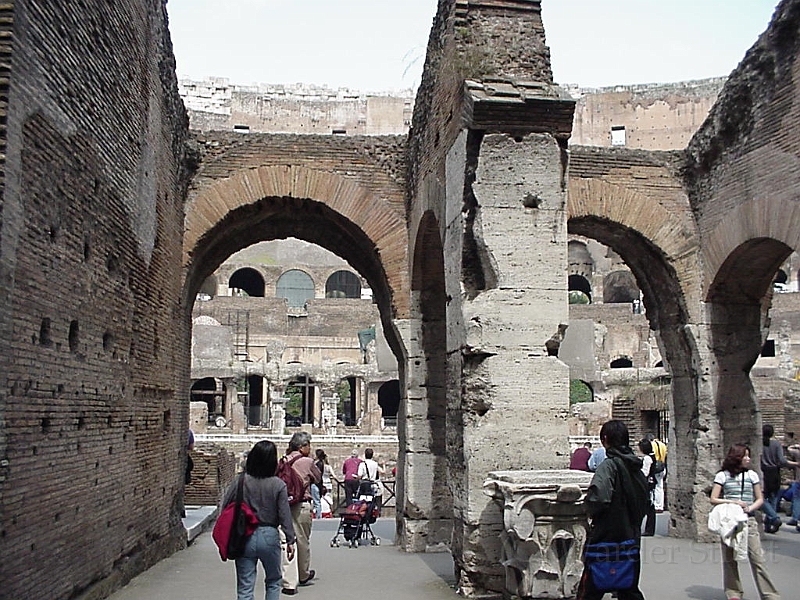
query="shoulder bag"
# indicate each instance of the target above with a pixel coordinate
(234, 526)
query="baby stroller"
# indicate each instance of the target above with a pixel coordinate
(357, 517)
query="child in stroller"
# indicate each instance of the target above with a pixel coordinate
(357, 517)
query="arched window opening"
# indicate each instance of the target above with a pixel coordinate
(343, 284)
(211, 391)
(255, 401)
(620, 287)
(580, 391)
(389, 401)
(580, 290)
(247, 282)
(300, 407)
(621, 363)
(296, 286)
(347, 404)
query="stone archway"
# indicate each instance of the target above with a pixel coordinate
(625, 220)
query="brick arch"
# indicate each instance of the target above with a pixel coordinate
(662, 257)
(764, 230)
(288, 192)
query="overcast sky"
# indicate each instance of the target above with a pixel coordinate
(379, 45)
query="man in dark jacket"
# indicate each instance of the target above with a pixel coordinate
(617, 501)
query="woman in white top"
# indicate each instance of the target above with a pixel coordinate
(369, 469)
(736, 483)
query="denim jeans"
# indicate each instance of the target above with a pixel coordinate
(770, 514)
(263, 545)
(796, 501)
(315, 501)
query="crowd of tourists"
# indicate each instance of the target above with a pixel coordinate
(275, 501)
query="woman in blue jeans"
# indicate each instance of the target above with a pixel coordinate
(266, 495)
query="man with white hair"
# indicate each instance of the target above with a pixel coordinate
(351, 478)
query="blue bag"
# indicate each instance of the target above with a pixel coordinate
(613, 565)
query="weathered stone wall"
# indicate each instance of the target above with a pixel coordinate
(654, 117)
(214, 468)
(94, 352)
(217, 105)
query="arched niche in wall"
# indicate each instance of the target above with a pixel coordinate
(343, 284)
(621, 363)
(296, 286)
(246, 282)
(580, 290)
(620, 287)
(389, 401)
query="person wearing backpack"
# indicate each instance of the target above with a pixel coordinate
(298, 571)
(616, 501)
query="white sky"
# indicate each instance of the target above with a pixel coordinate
(379, 45)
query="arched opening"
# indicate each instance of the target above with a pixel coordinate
(343, 284)
(621, 363)
(211, 391)
(739, 300)
(347, 409)
(300, 408)
(389, 401)
(580, 290)
(296, 286)
(429, 414)
(255, 407)
(246, 282)
(620, 287)
(580, 391)
(666, 314)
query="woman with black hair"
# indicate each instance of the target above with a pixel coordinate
(267, 496)
(736, 483)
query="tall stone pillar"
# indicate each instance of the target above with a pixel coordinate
(514, 400)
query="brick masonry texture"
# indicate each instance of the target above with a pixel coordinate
(99, 271)
(90, 485)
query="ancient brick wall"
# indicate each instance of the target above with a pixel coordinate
(214, 468)
(652, 117)
(94, 352)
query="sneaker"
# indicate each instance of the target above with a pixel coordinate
(791, 522)
(311, 574)
(288, 591)
(797, 528)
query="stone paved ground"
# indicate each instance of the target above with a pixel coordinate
(673, 569)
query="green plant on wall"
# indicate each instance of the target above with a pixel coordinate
(578, 297)
(294, 406)
(579, 392)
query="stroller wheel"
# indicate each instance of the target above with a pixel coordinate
(354, 543)
(377, 541)
(334, 544)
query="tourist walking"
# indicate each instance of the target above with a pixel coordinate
(266, 495)
(298, 571)
(737, 484)
(617, 500)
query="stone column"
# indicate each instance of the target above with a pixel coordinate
(515, 401)
(278, 413)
